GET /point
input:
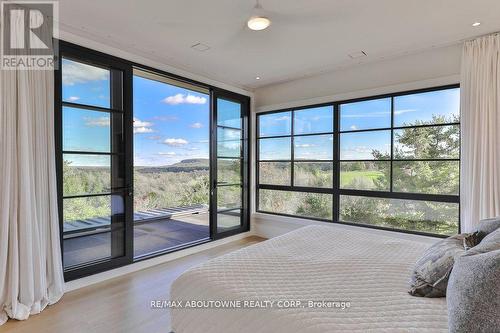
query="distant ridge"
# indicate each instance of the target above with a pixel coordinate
(189, 165)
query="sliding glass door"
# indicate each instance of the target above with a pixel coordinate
(171, 163)
(148, 163)
(229, 164)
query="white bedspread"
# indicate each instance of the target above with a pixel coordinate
(369, 270)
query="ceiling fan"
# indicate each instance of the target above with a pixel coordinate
(258, 21)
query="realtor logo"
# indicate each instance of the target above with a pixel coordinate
(29, 35)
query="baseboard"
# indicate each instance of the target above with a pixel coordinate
(100, 277)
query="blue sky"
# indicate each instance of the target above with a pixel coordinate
(170, 123)
(370, 114)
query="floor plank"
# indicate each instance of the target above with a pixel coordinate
(121, 304)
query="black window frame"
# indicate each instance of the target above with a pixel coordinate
(90, 56)
(336, 191)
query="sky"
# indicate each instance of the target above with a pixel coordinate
(170, 123)
(370, 114)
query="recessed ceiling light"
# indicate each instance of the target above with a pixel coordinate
(257, 78)
(258, 23)
(476, 24)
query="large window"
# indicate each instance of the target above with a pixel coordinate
(390, 162)
(148, 163)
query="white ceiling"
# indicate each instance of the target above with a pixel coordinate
(306, 37)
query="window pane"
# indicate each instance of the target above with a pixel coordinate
(274, 173)
(275, 149)
(296, 203)
(374, 145)
(313, 147)
(228, 142)
(316, 120)
(423, 216)
(85, 84)
(228, 220)
(87, 233)
(427, 142)
(229, 149)
(228, 197)
(435, 107)
(365, 175)
(228, 134)
(433, 177)
(313, 174)
(365, 115)
(86, 174)
(228, 113)
(87, 208)
(274, 124)
(229, 171)
(85, 130)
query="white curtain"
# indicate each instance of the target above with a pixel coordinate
(480, 119)
(31, 274)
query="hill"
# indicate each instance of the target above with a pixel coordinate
(189, 165)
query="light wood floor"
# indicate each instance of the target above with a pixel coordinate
(121, 304)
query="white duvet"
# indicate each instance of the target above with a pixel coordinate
(316, 263)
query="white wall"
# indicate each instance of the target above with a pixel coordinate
(370, 78)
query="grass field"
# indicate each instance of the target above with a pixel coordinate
(348, 176)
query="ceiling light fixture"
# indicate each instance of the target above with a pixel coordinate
(257, 78)
(257, 21)
(476, 24)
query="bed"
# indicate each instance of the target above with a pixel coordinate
(365, 269)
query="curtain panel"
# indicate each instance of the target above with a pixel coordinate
(480, 130)
(31, 275)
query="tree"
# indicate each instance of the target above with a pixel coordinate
(430, 177)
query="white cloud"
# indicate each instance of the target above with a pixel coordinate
(354, 127)
(305, 145)
(173, 142)
(404, 111)
(184, 99)
(72, 98)
(154, 137)
(141, 127)
(196, 125)
(142, 130)
(96, 122)
(140, 123)
(282, 118)
(75, 72)
(170, 153)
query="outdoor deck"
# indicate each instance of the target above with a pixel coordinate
(154, 230)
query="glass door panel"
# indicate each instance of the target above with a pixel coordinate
(171, 164)
(230, 172)
(93, 154)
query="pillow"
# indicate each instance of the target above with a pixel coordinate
(473, 294)
(431, 272)
(489, 243)
(487, 226)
